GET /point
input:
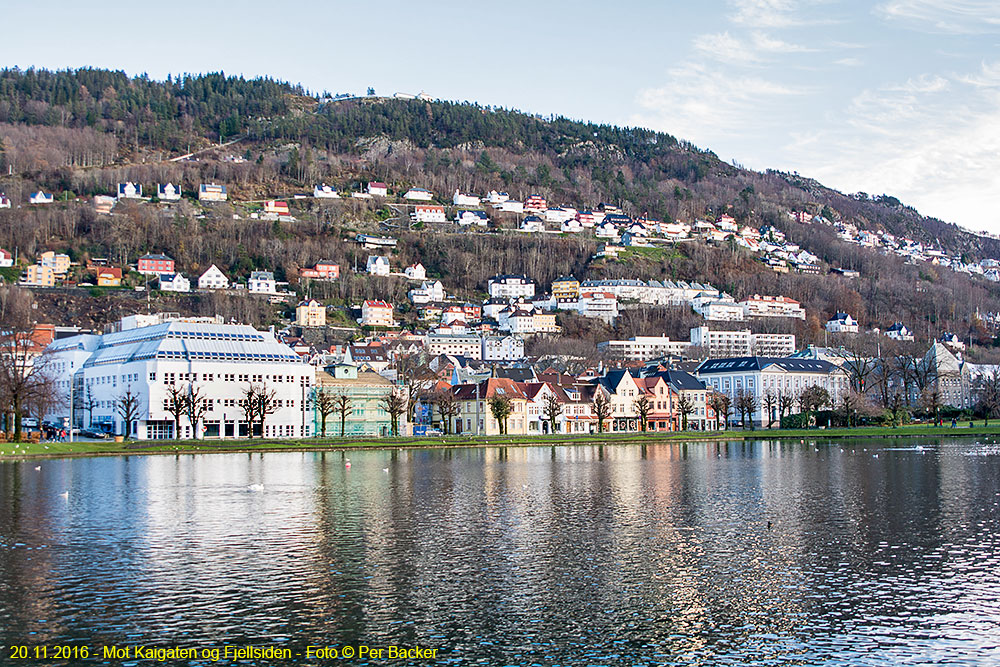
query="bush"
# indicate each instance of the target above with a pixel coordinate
(800, 420)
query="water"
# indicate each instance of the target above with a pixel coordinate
(878, 553)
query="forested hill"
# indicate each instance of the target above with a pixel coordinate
(54, 121)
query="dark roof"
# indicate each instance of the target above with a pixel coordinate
(516, 373)
(680, 379)
(790, 364)
(157, 256)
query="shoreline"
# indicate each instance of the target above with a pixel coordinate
(56, 450)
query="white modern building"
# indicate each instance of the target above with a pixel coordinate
(150, 354)
(741, 343)
(462, 199)
(644, 348)
(772, 306)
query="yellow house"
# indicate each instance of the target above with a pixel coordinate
(59, 263)
(310, 313)
(109, 277)
(40, 276)
(474, 413)
(545, 322)
(566, 287)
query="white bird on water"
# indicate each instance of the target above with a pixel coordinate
(38, 467)
(385, 470)
(64, 494)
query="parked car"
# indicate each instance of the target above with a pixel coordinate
(433, 431)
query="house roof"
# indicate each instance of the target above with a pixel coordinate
(789, 364)
(158, 257)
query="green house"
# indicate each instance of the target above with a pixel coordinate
(364, 390)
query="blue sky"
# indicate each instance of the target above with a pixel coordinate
(894, 96)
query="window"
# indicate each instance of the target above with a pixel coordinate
(152, 377)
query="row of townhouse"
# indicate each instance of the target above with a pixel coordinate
(531, 402)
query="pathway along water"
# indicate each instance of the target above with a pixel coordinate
(843, 552)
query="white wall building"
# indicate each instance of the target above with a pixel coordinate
(772, 306)
(324, 191)
(174, 282)
(742, 343)
(644, 348)
(457, 345)
(461, 199)
(213, 278)
(842, 323)
(511, 287)
(760, 375)
(262, 282)
(503, 348)
(378, 265)
(149, 355)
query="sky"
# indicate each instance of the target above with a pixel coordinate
(890, 96)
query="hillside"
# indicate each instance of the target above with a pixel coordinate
(79, 133)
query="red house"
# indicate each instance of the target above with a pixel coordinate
(322, 271)
(535, 204)
(154, 265)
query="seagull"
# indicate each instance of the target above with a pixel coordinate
(385, 470)
(64, 494)
(38, 467)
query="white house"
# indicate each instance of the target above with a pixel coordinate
(842, 323)
(378, 265)
(377, 314)
(571, 226)
(213, 278)
(415, 272)
(174, 282)
(41, 198)
(377, 189)
(429, 213)
(212, 192)
(461, 199)
(511, 286)
(559, 214)
(324, 191)
(129, 191)
(429, 292)
(262, 282)
(6, 259)
(148, 356)
(510, 206)
(532, 223)
(502, 348)
(899, 331)
(168, 192)
(4, 202)
(466, 218)
(418, 194)
(495, 197)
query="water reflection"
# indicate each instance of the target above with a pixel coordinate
(876, 553)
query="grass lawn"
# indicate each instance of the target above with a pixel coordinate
(57, 449)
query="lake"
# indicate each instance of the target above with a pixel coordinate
(873, 552)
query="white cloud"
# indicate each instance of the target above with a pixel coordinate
(849, 62)
(725, 48)
(705, 104)
(945, 16)
(765, 13)
(914, 142)
(769, 44)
